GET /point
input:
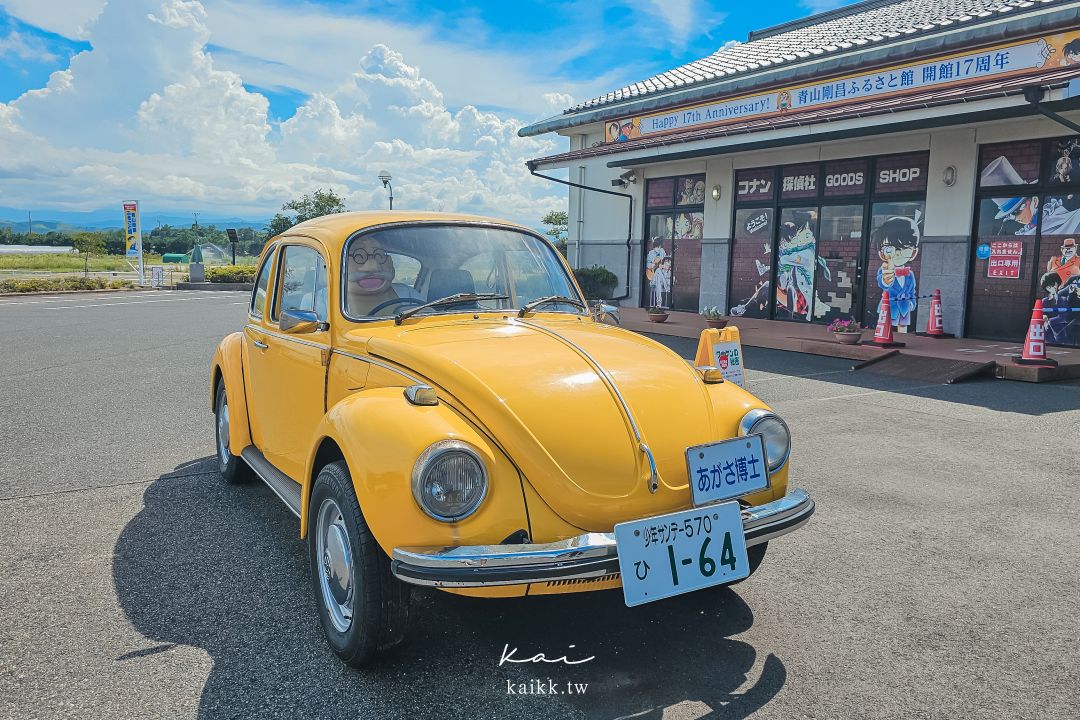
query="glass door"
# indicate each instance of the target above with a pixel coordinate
(838, 283)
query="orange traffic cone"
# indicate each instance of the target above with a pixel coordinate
(1035, 342)
(935, 323)
(883, 334)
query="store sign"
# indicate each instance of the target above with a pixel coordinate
(799, 181)
(901, 173)
(1017, 58)
(757, 222)
(845, 177)
(751, 185)
(1005, 259)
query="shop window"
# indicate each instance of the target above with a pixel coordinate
(1058, 269)
(1063, 161)
(1027, 228)
(893, 262)
(751, 262)
(796, 259)
(675, 224)
(1009, 163)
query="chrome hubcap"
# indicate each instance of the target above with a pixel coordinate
(223, 431)
(335, 558)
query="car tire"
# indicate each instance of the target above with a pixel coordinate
(233, 469)
(754, 556)
(364, 609)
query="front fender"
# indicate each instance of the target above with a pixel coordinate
(227, 364)
(381, 434)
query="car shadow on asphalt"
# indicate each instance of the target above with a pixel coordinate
(984, 392)
(221, 568)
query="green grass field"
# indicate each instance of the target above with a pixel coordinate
(62, 262)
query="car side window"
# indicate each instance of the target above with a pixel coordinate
(301, 282)
(258, 294)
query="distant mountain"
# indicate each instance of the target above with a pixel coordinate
(62, 221)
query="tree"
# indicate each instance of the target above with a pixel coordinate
(88, 243)
(558, 227)
(316, 204)
(279, 224)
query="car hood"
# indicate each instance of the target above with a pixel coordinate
(549, 392)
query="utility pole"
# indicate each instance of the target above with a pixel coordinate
(30, 223)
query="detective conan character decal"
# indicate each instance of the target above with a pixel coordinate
(1070, 54)
(1062, 307)
(1066, 163)
(1067, 264)
(658, 285)
(752, 268)
(897, 243)
(796, 257)
(621, 131)
(783, 100)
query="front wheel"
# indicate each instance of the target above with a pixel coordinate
(362, 606)
(233, 469)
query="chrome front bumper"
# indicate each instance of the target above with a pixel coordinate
(588, 556)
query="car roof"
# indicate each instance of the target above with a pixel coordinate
(334, 230)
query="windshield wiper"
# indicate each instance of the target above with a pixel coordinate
(548, 300)
(448, 300)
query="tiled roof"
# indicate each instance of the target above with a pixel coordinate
(861, 25)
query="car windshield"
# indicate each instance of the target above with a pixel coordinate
(395, 269)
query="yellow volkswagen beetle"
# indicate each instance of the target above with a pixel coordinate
(431, 397)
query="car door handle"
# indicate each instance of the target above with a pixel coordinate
(261, 345)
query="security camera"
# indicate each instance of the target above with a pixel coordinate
(629, 176)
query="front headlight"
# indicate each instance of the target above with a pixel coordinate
(775, 433)
(449, 480)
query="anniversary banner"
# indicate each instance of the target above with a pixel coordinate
(1017, 58)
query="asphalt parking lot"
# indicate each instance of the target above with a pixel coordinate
(937, 579)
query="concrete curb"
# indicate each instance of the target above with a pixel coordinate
(246, 287)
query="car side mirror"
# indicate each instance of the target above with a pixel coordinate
(603, 313)
(300, 322)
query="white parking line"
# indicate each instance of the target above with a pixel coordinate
(71, 299)
(135, 302)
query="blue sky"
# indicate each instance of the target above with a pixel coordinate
(156, 95)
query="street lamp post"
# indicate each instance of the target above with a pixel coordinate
(385, 177)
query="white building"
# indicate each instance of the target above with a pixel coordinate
(899, 145)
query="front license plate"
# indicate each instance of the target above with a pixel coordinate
(723, 470)
(673, 554)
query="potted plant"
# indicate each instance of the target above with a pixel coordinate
(657, 314)
(714, 317)
(847, 332)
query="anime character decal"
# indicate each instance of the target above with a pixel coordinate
(1062, 301)
(623, 130)
(658, 274)
(796, 258)
(897, 242)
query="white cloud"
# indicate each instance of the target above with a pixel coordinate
(66, 18)
(25, 47)
(148, 113)
(678, 14)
